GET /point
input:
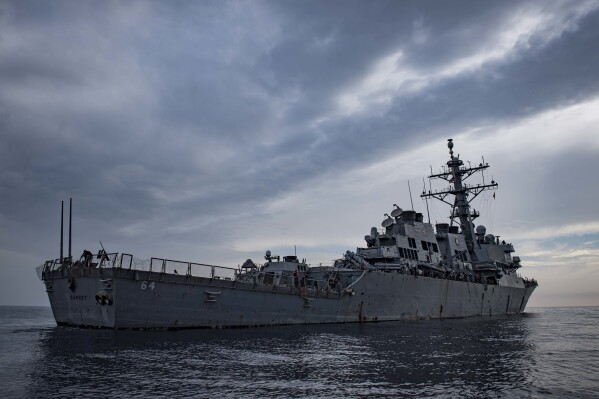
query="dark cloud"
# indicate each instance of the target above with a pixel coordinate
(560, 73)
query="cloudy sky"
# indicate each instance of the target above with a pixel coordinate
(212, 131)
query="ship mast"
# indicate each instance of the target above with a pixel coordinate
(455, 174)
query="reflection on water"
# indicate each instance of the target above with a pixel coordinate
(547, 351)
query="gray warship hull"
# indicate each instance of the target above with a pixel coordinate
(409, 270)
(146, 300)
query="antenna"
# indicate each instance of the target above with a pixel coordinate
(482, 172)
(456, 173)
(410, 190)
(294, 250)
(70, 224)
(426, 199)
(61, 228)
(387, 222)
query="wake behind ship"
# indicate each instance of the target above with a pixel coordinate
(408, 270)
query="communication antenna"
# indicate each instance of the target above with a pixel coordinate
(410, 190)
(426, 199)
(396, 212)
(61, 229)
(387, 222)
(70, 224)
(463, 194)
(482, 172)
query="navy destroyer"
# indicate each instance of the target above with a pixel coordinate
(408, 270)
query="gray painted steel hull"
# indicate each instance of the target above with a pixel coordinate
(142, 300)
(406, 272)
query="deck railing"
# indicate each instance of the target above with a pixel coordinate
(154, 265)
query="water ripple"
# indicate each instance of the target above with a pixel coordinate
(544, 352)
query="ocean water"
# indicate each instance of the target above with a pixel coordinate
(546, 352)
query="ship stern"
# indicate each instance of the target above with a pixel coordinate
(83, 301)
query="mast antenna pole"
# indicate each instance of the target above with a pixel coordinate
(482, 172)
(61, 229)
(70, 224)
(410, 190)
(426, 199)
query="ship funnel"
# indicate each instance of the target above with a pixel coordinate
(408, 216)
(442, 228)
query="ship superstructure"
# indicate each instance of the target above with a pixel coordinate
(408, 270)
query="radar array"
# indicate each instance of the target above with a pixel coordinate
(455, 174)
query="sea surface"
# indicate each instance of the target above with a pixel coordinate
(546, 352)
